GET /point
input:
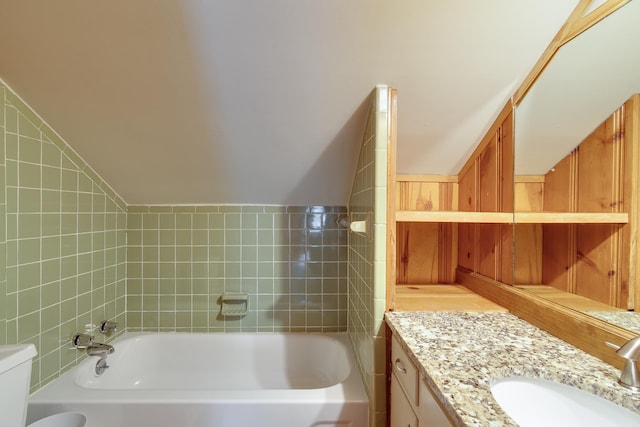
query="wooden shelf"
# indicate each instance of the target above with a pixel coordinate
(455, 216)
(508, 217)
(571, 218)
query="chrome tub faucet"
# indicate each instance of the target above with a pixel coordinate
(99, 349)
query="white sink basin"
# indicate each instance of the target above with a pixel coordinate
(537, 402)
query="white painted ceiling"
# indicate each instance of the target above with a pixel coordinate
(588, 79)
(262, 101)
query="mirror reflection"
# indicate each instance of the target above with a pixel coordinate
(576, 169)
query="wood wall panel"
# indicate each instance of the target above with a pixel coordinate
(528, 254)
(559, 256)
(588, 259)
(631, 200)
(596, 266)
(486, 185)
(528, 193)
(426, 252)
(507, 198)
(488, 201)
(419, 196)
(598, 172)
(417, 259)
(467, 238)
(559, 186)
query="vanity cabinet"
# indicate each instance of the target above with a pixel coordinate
(413, 404)
(402, 414)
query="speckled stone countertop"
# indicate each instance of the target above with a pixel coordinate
(459, 353)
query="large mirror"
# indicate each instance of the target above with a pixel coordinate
(573, 166)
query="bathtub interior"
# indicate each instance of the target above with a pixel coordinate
(308, 381)
(221, 362)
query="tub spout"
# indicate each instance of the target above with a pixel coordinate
(99, 349)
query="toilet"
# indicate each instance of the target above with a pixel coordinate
(15, 374)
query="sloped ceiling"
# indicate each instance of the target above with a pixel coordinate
(262, 101)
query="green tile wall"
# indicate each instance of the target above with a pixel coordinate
(3, 234)
(367, 275)
(291, 260)
(62, 237)
(72, 253)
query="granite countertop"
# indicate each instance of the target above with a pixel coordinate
(459, 353)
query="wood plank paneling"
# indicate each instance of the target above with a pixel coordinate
(418, 255)
(590, 254)
(488, 201)
(485, 186)
(631, 201)
(448, 234)
(528, 254)
(467, 239)
(559, 256)
(596, 263)
(528, 237)
(426, 252)
(507, 198)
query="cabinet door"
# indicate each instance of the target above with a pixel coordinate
(401, 413)
(429, 412)
(406, 371)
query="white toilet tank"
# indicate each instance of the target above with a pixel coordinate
(15, 375)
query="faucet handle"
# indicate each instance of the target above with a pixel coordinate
(107, 327)
(81, 341)
(630, 350)
(630, 375)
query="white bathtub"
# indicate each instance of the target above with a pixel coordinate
(214, 380)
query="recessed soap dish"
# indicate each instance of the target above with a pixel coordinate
(234, 304)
